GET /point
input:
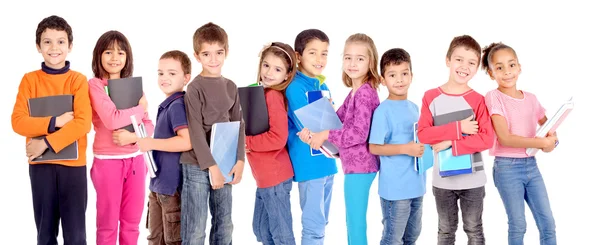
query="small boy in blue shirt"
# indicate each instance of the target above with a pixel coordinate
(401, 187)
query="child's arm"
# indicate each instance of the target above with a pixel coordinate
(193, 106)
(236, 115)
(381, 132)
(357, 130)
(504, 136)
(82, 119)
(148, 124)
(429, 134)
(180, 142)
(276, 137)
(482, 140)
(111, 117)
(296, 98)
(22, 123)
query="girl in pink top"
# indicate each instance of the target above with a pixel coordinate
(359, 165)
(516, 115)
(118, 171)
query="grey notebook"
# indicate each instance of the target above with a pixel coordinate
(53, 106)
(126, 93)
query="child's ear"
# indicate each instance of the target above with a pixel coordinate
(39, 49)
(490, 73)
(187, 78)
(197, 56)
(298, 56)
(447, 62)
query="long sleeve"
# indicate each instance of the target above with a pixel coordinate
(111, 117)
(148, 125)
(193, 108)
(429, 134)
(357, 122)
(296, 99)
(82, 119)
(276, 137)
(22, 123)
(482, 140)
(236, 115)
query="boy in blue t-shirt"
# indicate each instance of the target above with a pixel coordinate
(401, 188)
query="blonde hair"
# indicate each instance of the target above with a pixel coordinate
(372, 75)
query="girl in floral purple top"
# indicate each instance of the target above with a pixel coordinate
(359, 165)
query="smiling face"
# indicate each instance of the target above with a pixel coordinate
(54, 46)
(211, 56)
(356, 61)
(114, 60)
(397, 79)
(505, 68)
(463, 64)
(273, 71)
(171, 78)
(314, 58)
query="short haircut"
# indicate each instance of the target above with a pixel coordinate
(107, 41)
(466, 42)
(55, 23)
(304, 37)
(210, 33)
(395, 56)
(186, 63)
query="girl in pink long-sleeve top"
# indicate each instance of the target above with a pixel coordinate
(118, 171)
(359, 165)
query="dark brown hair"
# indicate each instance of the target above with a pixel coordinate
(304, 37)
(466, 42)
(372, 77)
(286, 54)
(109, 40)
(55, 23)
(186, 63)
(395, 56)
(488, 53)
(210, 33)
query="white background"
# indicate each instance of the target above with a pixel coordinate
(557, 46)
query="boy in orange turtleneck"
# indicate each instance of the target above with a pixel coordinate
(59, 188)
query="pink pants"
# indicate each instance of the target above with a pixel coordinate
(120, 193)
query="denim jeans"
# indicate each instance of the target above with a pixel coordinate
(272, 222)
(315, 198)
(519, 180)
(197, 196)
(471, 205)
(401, 221)
(356, 199)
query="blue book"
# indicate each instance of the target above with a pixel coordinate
(319, 116)
(454, 165)
(311, 97)
(223, 146)
(425, 162)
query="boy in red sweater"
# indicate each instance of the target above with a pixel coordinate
(68, 178)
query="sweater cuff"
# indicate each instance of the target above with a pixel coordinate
(52, 125)
(48, 144)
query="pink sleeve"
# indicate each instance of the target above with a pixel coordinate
(429, 134)
(539, 109)
(148, 125)
(494, 103)
(111, 117)
(483, 139)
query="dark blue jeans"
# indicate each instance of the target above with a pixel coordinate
(197, 196)
(272, 223)
(519, 180)
(471, 206)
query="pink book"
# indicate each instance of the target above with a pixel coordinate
(552, 124)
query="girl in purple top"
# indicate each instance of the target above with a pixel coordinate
(359, 165)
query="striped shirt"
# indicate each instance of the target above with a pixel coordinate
(521, 115)
(441, 114)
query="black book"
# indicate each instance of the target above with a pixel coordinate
(126, 93)
(254, 109)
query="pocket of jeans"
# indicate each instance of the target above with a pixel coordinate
(172, 227)
(502, 164)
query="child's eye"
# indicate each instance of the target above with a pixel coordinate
(472, 63)
(160, 73)
(324, 54)
(512, 65)
(459, 60)
(121, 53)
(392, 75)
(172, 74)
(405, 74)
(311, 53)
(361, 59)
(107, 52)
(347, 58)
(499, 68)
(265, 65)
(61, 42)
(220, 53)
(278, 70)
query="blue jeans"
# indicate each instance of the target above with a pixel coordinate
(272, 223)
(197, 196)
(401, 221)
(315, 198)
(519, 180)
(356, 198)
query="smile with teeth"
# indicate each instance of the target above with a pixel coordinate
(54, 55)
(113, 64)
(318, 66)
(462, 74)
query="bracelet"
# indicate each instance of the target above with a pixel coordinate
(556, 143)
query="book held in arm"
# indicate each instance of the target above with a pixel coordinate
(319, 116)
(140, 132)
(425, 162)
(254, 109)
(125, 93)
(223, 147)
(53, 106)
(553, 123)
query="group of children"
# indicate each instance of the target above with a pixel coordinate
(376, 137)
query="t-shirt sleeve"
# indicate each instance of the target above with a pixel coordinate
(177, 116)
(540, 111)
(493, 103)
(380, 129)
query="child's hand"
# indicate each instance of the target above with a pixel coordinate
(317, 140)
(415, 149)
(143, 102)
(469, 126)
(123, 137)
(550, 144)
(145, 144)
(63, 119)
(441, 146)
(35, 148)
(216, 177)
(237, 171)
(304, 135)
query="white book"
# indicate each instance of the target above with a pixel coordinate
(552, 123)
(140, 132)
